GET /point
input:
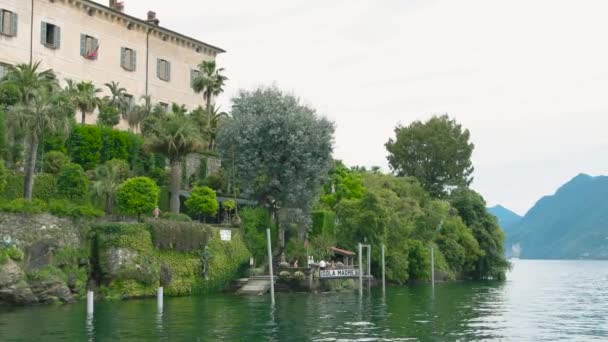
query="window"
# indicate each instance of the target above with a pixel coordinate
(89, 47)
(164, 106)
(50, 35)
(163, 70)
(8, 23)
(128, 59)
(193, 75)
(130, 101)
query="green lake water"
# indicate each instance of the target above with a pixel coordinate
(541, 301)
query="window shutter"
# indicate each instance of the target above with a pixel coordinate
(133, 60)
(43, 28)
(158, 62)
(192, 77)
(168, 71)
(14, 24)
(83, 44)
(96, 47)
(57, 41)
(1, 20)
(122, 58)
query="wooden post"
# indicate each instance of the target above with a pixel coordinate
(90, 303)
(360, 270)
(383, 272)
(270, 266)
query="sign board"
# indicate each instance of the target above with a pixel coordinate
(339, 273)
(226, 234)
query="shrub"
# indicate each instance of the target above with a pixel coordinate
(138, 195)
(45, 186)
(65, 208)
(54, 142)
(176, 217)
(114, 145)
(84, 145)
(295, 250)
(215, 181)
(13, 188)
(20, 205)
(298, 276)
(10, 252)
(202, 201)
(3, 176)
(179, 236)
(285, 276)
(54, 161)
(108, 116)
(323, 222)
(72, 182)
(254, 222)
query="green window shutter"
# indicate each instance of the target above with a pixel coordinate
(168, 71)
(43, 28)
(57, 42)
(1, 20)
(122, 57)
(96, 47)
(14, 24)
(158, 63)
(133, 60)
(83, 44)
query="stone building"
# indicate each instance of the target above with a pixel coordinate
(85, 41)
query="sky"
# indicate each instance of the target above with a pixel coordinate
(528, 78)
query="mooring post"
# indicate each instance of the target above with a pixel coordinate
(270, 266)
(432, 267)
(90, 303)
(159, 299)
(383, 272)
(360, 270)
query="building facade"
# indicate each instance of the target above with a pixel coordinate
(82, 40)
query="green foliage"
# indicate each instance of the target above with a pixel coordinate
(72, 182)
(320, 246)
(185, 269)
(138, 195)
(10, 252)
(342, 184)
(216, 181)
(3, 176)
(4, 145)
(323, 222)
(9, 95)
(23, 206)
(254, 222)
(280, 148)
(436, 152)
(114, 145)
(54, 161)
(84, 145)
(46, 187)
(295, 250)
(66, 208)
(54, 141)
(107, 179)
(108, 116)
(202, 201)
(176, 217)
(229, 205)
(179, 236)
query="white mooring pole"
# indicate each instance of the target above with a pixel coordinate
(383, 272)
(89, 303)
(360, 270)
(432, 267)
(159, 299)
(270, 266)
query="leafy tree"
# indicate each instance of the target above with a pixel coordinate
(39, 108)
(54, 162)
(107, 179)
(138, 195)
(202, 201)
(472, 208)
(174, 136)
(342, 184)
(279, 148)
(436, 152)
(84, 145)
(84, 97)
(108, 115)
(254, 222)
(114, 144)
(229, 206)
(72, 182)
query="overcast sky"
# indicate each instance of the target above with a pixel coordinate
(529, 78)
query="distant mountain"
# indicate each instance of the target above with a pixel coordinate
(571, 224)
(506, 218)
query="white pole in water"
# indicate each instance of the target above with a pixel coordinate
(432, 267)
(383, 272)
(270, 266)
(90, 303)
(360, 270)
(159, 299)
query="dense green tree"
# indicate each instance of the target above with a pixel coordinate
(72, 182)
(108, 115)
(342, 184)
(107, 179)
(279, 149)
(114, 144)
(472, 208)
(174, 136)
(202, 202)
(437, 152)
(84, 145)
(254, 222)
(54, 161)
(84, 97)
(138, 195)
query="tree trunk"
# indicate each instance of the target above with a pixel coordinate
(30, 166)
(208, 110)
(176, 178)
(84, 116)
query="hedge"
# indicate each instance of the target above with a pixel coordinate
(323, 222)
(180, 236)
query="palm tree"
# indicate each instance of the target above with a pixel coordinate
(209, 81)
(117, 98)
(27, 80)
(139, 113)
(108, 178)
(174, 135)
(84, 97)
(208, 121)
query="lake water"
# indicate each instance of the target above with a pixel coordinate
(541, 301)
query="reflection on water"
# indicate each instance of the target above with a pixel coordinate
(541, 301)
